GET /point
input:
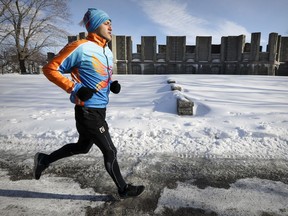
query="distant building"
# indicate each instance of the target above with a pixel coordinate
(232, 56)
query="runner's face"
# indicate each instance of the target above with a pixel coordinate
(105, 30)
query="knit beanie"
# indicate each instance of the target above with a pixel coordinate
(93, 18)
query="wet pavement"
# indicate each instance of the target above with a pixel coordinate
(156, 172)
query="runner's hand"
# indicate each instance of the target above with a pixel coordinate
(84, 93)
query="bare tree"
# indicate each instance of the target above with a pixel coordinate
(32, 25)
(4, 6)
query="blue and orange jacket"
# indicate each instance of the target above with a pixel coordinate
(90, 63)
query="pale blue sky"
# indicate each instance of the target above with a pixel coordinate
(188, 18)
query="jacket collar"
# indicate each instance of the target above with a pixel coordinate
(97, 39)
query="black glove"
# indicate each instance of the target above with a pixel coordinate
(84, 93)
(115, 87)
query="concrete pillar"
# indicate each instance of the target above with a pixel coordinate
(50, 56)
(82, 35)
(176, 48)
(72, 38)
(235, 48)
(119, 50)
(283, 58)
(284, 49)
(255, 46)
(232, 48)
(241, 45)
(203, 49)
(129, 47)
(223, 51)
(278, 52)
(272, 46)
(148, 48)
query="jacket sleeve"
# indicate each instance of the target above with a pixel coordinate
(67, 58)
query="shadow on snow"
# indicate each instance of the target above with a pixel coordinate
(32, 194)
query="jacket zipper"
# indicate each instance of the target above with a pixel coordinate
(108, 72)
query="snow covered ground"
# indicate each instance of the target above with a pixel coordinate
(235, 118)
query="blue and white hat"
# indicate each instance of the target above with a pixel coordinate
(93, 18)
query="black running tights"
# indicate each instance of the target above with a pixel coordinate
(92, 129)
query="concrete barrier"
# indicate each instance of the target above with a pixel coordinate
(176, 87)
(184, 106)
(169, 81)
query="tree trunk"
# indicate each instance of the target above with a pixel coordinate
(22, 66)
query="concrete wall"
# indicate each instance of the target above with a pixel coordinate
(233, 56)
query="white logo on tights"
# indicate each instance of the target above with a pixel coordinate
(102, 129)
